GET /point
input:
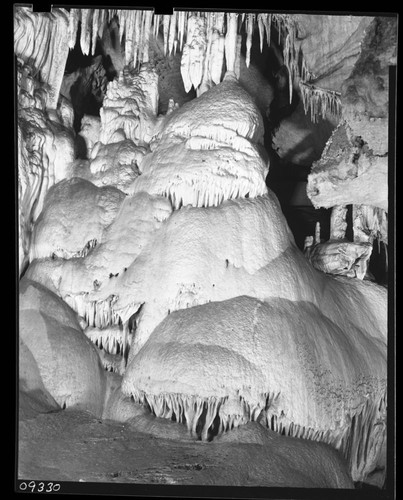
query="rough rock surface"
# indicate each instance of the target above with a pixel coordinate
(354, 166)
(348, 173)
(330, 45)
(300, 141)
(365, 93)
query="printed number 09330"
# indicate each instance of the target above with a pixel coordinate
(40, 487)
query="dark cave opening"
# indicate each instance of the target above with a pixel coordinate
(85, 79)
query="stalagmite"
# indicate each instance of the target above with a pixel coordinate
(230, 147)
(338, 223)
(341, 258)
(351, 383)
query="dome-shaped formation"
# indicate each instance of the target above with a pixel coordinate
(208, 150)
(67, 362)
(221, 364)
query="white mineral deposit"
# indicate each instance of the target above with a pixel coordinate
(203, 247)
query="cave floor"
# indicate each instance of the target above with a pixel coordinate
(73, 445)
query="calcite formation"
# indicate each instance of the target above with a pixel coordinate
(161, 279)
(200, 158)
(68, 363)
(45, 151)
(249, 360)
(41, 41)
(73, 218)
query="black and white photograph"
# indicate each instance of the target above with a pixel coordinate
(205, 248)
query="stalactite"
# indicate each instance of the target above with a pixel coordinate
(250, 19)
(166, 22)
(320, 101)
(137, 25)
(74, 17)
(194, 52)
(129, 35)
(217, 57)
(85, 39)
(42, 43)
(231, 40)
(101, 22)
(94, 30)
(172, 32)
(147, 30)
(136, 37)
(369, 223)
(141, 36)
(156, 25)
(237, 67)
(122, 16)
(260, 24)
(266, 19)
(181, 28)
(306, 75)
(208, 59)
(219, 18)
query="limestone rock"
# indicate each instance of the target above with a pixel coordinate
(325, 41)
(300, 141)
(348, 173)
(365, 93)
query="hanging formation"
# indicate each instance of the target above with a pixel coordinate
(209, 41)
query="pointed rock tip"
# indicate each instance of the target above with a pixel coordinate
(230, 76)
